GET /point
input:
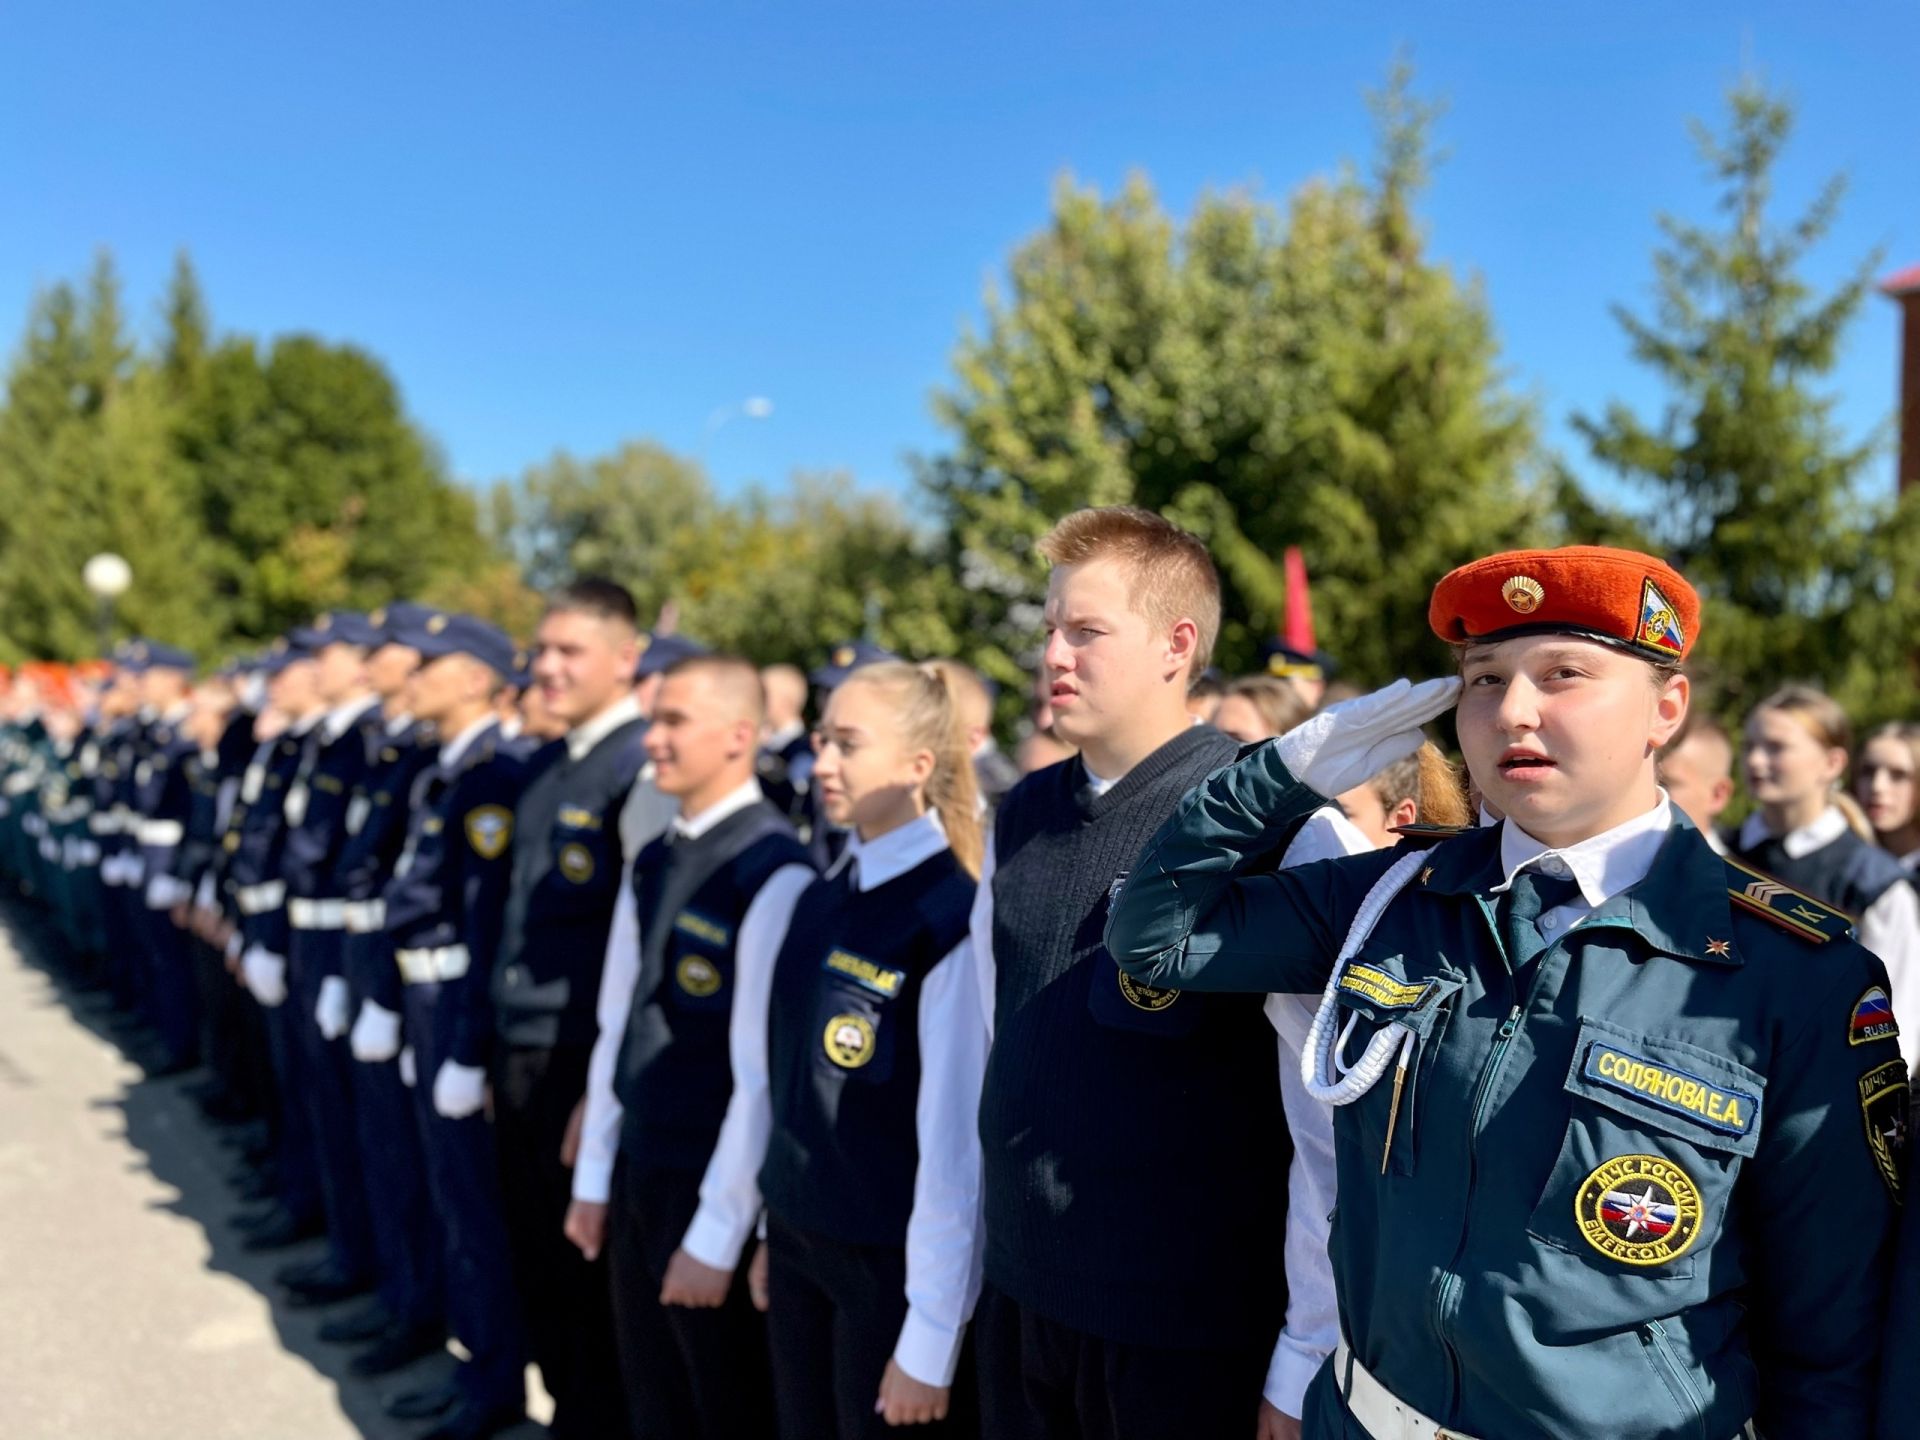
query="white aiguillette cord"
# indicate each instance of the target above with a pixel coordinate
(1323, 1065)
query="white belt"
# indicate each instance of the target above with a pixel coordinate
(316, 914)
(103, 824)
(364, 917)
(1385, 1416)
(442, 962)
(1381, 1413)
(259, 899)
(160, 832)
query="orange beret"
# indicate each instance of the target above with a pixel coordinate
(1621, 597)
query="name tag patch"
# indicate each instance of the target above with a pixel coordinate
(701, 928)
(575, 817)
(1381, 988)
(880, 979)
(1731, 1112)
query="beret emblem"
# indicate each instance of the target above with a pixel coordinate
(1523, 594)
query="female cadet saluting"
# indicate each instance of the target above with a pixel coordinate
(857, 1081)
(1615, 1158)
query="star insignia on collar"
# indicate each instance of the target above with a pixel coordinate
(1426, 875)
(1720, 947)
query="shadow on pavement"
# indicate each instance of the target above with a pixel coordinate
(185, 1151)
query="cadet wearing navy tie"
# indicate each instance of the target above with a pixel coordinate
(339, 750)
(162, 800)
(1619, 1124)
(713, 896)
(567, 867)
(443, 912)
(409, 1318)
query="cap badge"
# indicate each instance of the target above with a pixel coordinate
(436, 624)
(644, 641)
(378, 617)
(843, 657)
(1659, 622)
(1523, 594)
(323, 622)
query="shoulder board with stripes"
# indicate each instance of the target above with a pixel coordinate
(1790, 909)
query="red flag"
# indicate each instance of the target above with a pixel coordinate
(1298, 632)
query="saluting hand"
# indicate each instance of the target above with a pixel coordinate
(697, 1286)
(906, 1401)
(586, 1226)
(1276, 1424)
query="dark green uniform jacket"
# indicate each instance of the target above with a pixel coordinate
(1647, 1192)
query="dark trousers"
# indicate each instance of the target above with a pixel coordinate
(1040, 1380)
(464, 1180)
(219, 1003)
(125, 945)
(833, 1320)
(174, 1006)
(568, 1304)
(407, 1243)
(297, 1163)
(688, 1374)
(327, 1092)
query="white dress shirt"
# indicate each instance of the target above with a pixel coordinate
(589, 733)
(945, 1229)
(1890, 926)
(764, 925)
(1312, 1326)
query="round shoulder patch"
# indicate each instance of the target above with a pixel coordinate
(1639, 1210)
(1145, 997)
(698, 976)
(849, 1041)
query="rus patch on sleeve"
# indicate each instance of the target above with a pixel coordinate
(1872, 1018)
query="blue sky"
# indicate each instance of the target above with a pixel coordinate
(563, 225)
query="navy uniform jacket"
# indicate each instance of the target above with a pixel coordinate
(376, 826)
(256, 838)
(1649, 1193)
(317, 812)
(450, 882)
(163, 802)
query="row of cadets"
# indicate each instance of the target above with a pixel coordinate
(712, 899)
(442, 916)
(160, 801)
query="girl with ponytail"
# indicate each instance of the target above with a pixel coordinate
(865, 1083)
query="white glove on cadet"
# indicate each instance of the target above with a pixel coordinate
(265, 975)
(376, 1035)
(1349, 743)
(459, 1090)
(334, 1010)
(408, 1074)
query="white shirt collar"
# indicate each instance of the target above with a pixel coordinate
(784, 736)
(589, 733)
(1828, 827)
(305, 723)
(1098, 784)
(398, 725)
(177, 712)
(730, 804)
(451, 752)
(337, 721)
(893, 854)
(1604, 864)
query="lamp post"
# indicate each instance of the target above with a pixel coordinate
(107, 577)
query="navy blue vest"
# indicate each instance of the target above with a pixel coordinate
(843, 1034)
(566, 875)
(1846, 872)
(674, 1074)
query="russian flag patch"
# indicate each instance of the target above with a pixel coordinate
(1872, 1018)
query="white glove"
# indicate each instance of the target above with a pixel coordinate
(459, 1090)
(233, 945)
(376, 1036)
(333, 1011)
(408, 1074)
(1348, 744)
(265, 975)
